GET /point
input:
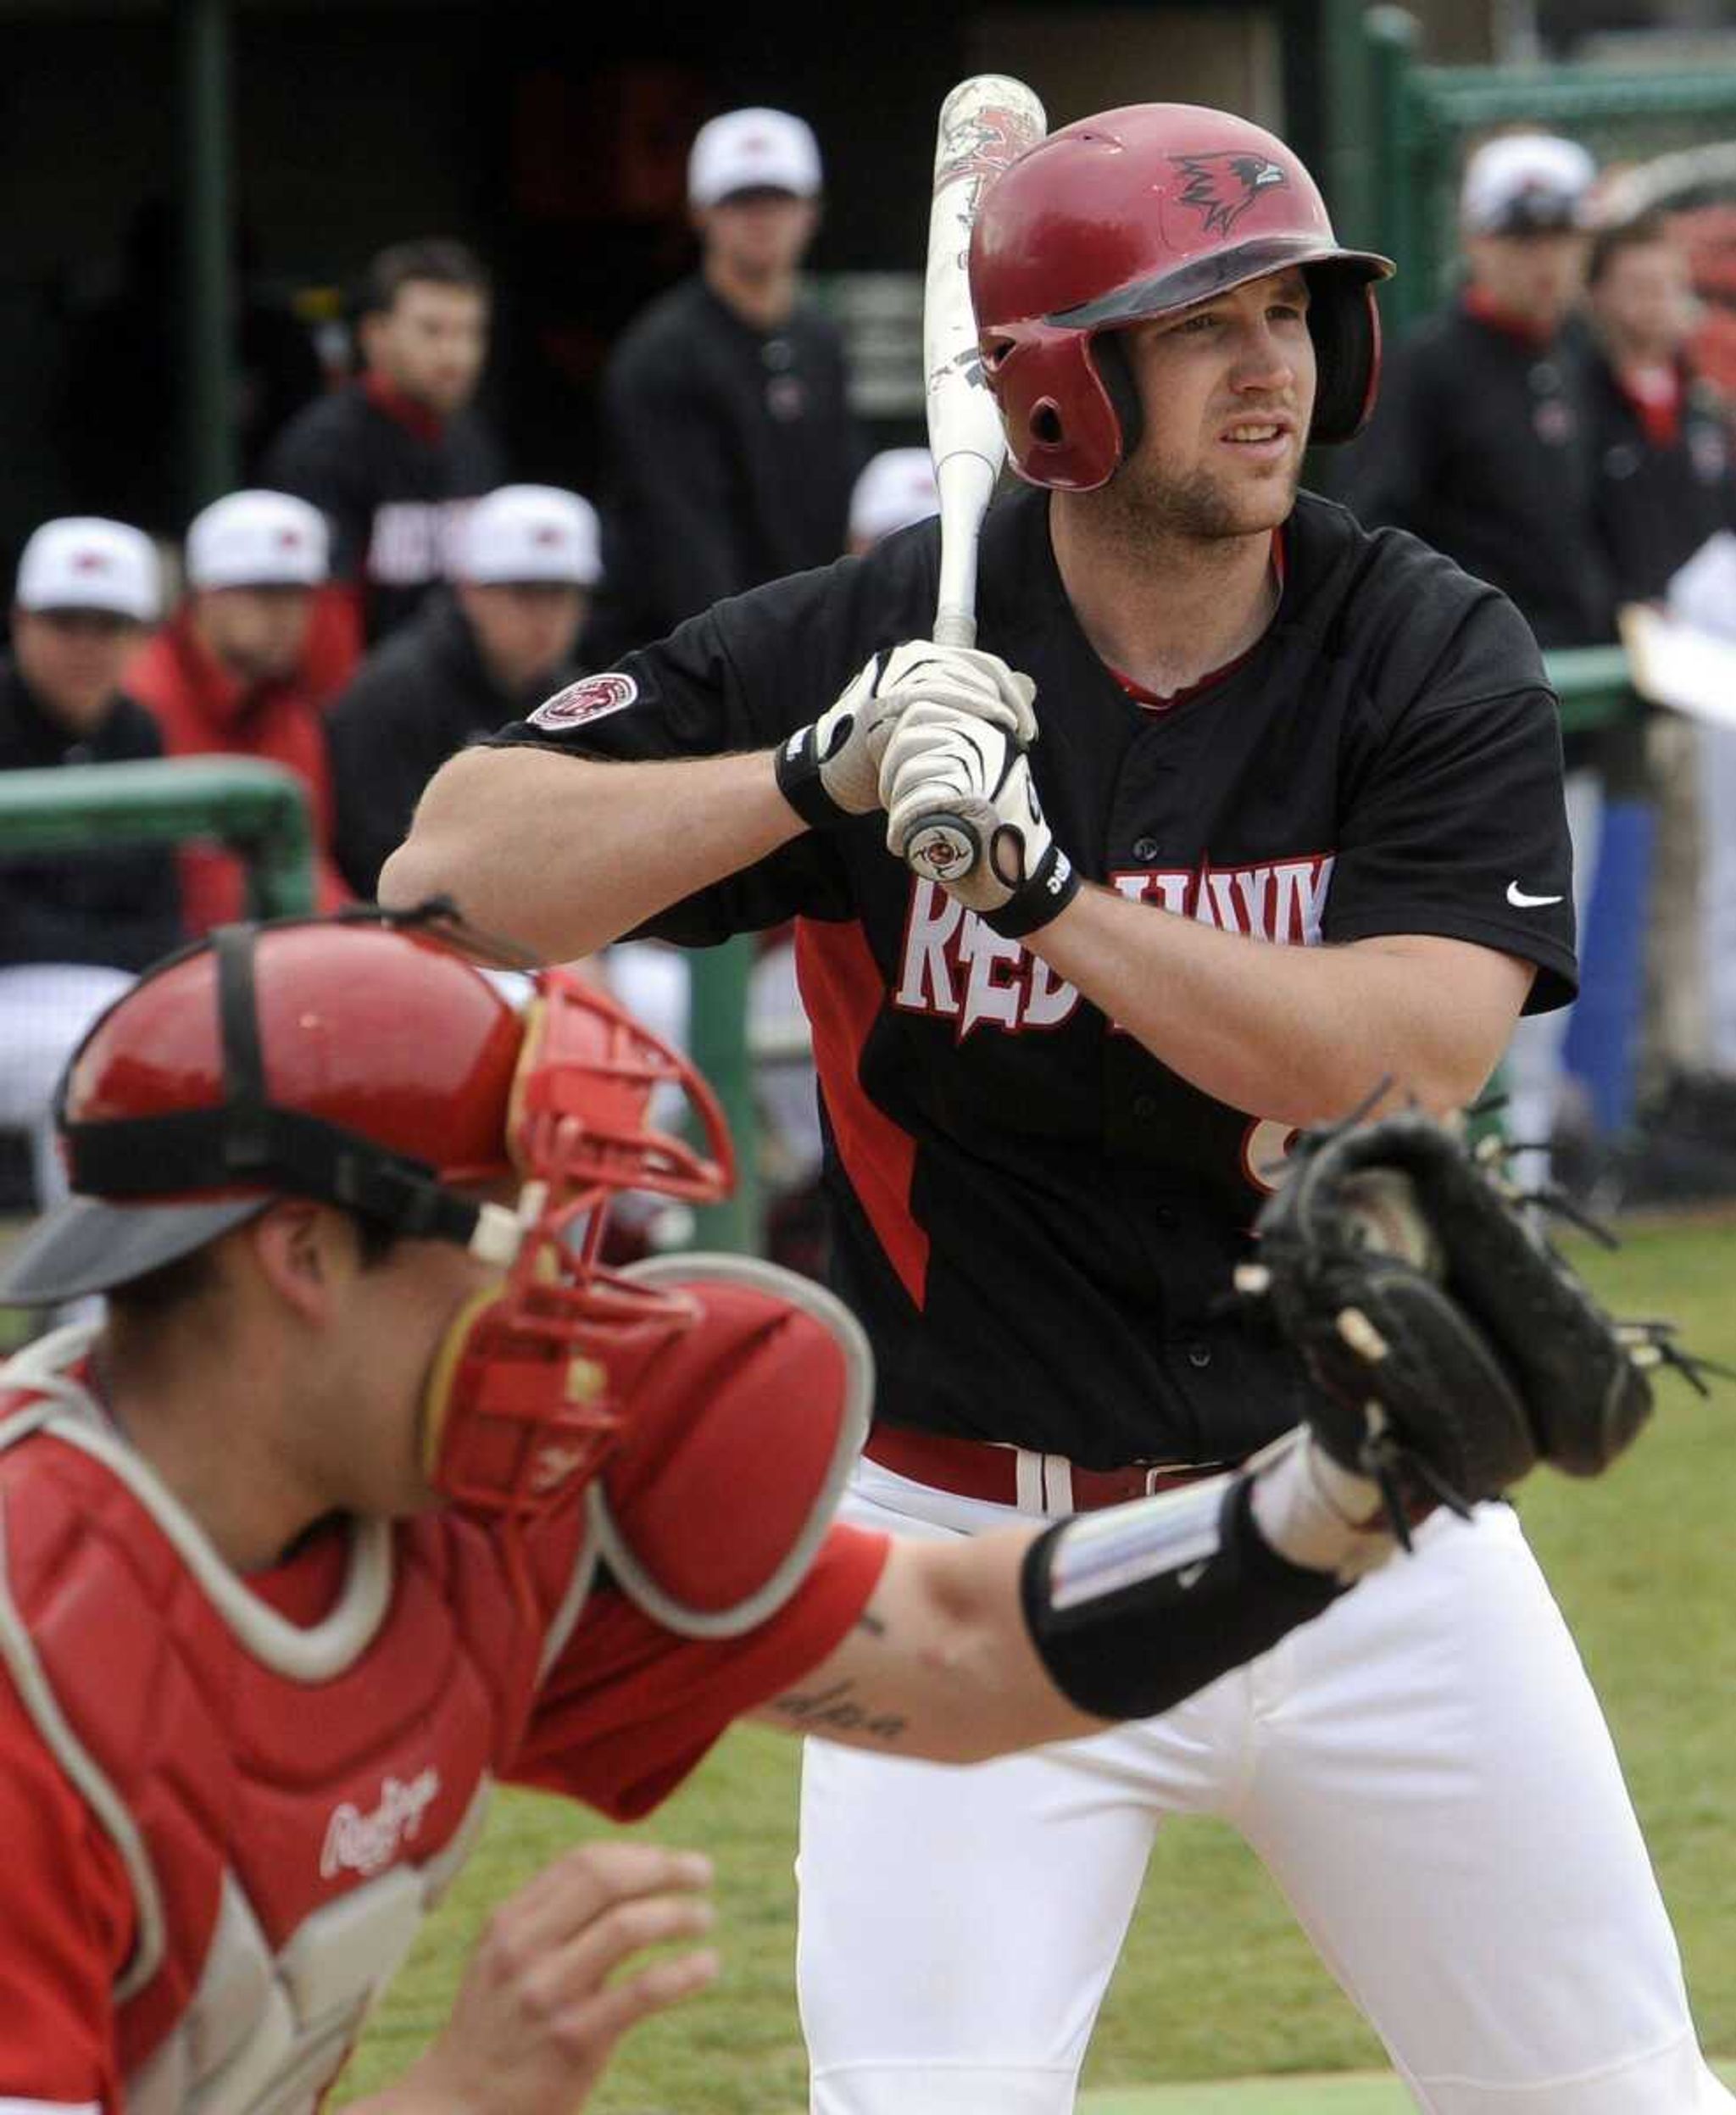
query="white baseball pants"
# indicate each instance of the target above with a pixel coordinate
(1424, 1772)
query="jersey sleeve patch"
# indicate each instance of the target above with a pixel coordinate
(737, 1453)
(592, 698)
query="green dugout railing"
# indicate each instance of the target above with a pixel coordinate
(256, 810)
(260, 812)
(717, 1038)
(1592, 683)
(1418, 121)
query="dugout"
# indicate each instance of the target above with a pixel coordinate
(176, 169)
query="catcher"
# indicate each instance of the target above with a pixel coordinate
(376, 1488)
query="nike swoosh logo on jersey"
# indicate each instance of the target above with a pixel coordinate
(1520, 901)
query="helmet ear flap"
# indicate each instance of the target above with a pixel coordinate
(1116, 371)
(1345, 324)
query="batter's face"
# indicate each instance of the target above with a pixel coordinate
(1227, 391)
(431, 343)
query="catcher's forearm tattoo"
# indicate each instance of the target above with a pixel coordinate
(1133, 1609)
(837, 1709)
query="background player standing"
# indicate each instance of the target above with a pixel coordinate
(732, 445)
(1301, 834)
(394, 458)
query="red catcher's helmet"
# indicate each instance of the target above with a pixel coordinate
(1135, 213)
(360, 1060)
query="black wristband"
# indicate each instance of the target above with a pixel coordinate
(799, 780)
(1134, 1609)
(1040, 897)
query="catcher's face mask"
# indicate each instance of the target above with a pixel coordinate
(529, 1389)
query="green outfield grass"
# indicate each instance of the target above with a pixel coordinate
(1217, 1984)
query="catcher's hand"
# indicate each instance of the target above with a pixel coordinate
(830, 771)
(1453, 1346)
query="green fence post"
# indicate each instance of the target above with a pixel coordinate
(717, 1037)
(1391, 35)
(259, 811)
(206, 393)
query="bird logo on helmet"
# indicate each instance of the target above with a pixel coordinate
(1139, 213)
(365, 1060)
(1224, 185)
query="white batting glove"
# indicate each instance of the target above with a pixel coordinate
(831, 770)
(961, 810)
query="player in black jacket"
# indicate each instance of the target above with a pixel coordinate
(470, 658)
(1665, 479)
(395, 457)
(1291, 832)
(75, 927)
(733, 450)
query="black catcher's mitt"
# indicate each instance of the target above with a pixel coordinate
(1454, 1346)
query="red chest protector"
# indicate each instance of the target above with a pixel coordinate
(289, 1802)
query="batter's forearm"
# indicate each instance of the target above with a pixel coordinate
(1299, 1034)
(565, 854)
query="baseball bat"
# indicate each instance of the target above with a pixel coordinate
(986, 123)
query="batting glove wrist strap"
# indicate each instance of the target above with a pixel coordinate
(1134, 1608)
(1044, 895)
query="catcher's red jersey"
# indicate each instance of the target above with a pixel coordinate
(228, 1804)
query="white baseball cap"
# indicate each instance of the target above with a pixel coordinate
(896, 488)
(523, 533)
(753, 150)
(1527, 183)
(81, 562)
(257, 539)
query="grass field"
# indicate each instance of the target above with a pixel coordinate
(1216, 1983)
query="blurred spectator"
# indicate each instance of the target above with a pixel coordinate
(1665, 477)
(221, 677)
(896, 489)
(73, 928)
(723, 404)
(1482, 445)
(1479, 443)
(486, 653)
(394, 457)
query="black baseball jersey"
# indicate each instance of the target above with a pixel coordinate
(116, 906)
(1036, 1219)
(1480, 444)
(395, 493)
(1656, 499)
(732, 452)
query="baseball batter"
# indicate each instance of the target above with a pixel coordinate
(1274, 815)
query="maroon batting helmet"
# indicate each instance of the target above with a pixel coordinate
(1135, 213)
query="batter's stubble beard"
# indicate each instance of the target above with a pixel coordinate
(1143, 508)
